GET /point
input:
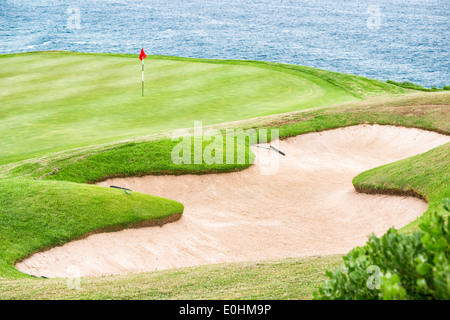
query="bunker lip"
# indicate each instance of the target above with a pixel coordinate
(308, 207)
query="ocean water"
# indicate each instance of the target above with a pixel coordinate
(397, 39)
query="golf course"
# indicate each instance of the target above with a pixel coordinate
(359, 156)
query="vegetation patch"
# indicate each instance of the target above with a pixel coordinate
(401, 266)
(37, 215)
(410, 85)
(55, 101)
(425, 175)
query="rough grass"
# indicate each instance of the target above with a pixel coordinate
(429, 111)
(138, 159)
(410, 85)
(68, 210)
(267, 280)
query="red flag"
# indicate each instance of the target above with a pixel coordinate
(142, 56)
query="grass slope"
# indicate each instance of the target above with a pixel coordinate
(425, 111)
(67, 210)
(35, 215)
(53, 101)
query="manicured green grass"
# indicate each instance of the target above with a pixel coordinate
(155, 157)
(35, 215)
(426, 175)
(430, 113)
(54, 101)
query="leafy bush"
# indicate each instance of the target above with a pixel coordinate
(396, 266)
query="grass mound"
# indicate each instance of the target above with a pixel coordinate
(35, 215)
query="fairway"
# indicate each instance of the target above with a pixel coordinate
(54, 101)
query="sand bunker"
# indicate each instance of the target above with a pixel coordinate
(308, 207)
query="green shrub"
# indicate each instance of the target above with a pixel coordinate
(396, 266)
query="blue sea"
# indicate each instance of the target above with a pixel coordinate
(396, 39)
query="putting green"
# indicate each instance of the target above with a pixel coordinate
(53, 101)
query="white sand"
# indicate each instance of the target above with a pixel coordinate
(309, 207)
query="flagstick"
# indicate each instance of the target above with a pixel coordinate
(142, 77)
